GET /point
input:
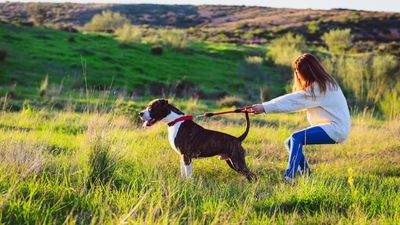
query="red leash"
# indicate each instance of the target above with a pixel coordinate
(240, 110)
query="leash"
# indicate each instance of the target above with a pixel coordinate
(247, 109)
(240, 110)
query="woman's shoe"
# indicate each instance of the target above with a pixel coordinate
(288, 180)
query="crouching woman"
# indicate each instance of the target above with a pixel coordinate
(317, 92)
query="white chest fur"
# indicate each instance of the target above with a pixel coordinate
(172, 132)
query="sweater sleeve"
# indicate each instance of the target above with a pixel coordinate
(292, 102)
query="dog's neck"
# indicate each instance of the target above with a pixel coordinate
(171, 117)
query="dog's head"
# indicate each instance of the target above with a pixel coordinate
(157, 110)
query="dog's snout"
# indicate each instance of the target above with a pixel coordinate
(141, 114)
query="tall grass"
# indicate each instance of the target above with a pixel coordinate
(368, 79)
(390, 105)
(137, 181)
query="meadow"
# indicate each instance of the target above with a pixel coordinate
(94, 168)
(72, 150)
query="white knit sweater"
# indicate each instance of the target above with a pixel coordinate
(329, 110)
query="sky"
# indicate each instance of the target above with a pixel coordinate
(371, 5)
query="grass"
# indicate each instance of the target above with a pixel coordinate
(76, 155)
(109, 64)
(45, 172)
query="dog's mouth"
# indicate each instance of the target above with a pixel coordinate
(149, 123)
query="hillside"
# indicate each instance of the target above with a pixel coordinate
(71, 59)
(237, 23)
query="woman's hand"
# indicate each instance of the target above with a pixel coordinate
(257, 109)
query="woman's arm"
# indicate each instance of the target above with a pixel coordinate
(290, 103)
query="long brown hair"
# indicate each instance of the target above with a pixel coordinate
(306, 70)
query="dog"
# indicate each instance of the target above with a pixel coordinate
(191, 141)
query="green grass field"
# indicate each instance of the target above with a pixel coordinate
(77, 155)
(47, 174)
(100, 62)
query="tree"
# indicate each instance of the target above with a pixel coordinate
(338, 41)
(283, 50)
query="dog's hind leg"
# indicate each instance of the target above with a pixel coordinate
(229, 162)
(240, 164)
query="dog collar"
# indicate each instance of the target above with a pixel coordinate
(183, 118)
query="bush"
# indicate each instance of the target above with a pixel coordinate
(313, 27)
(129, 33)
(366, 77)
(382, 76)
(390, 105)
(156, 50)
(173, 38)
(3, 55)
(257, 60)
(338, 41)
(71, 39)
(184, 89)
(283, 50)
(230, 101)
(107, 21)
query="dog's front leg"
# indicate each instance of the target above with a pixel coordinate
(182, 168)
(189, 170)
(188, 166)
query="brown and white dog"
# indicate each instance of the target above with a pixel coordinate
(190, 140)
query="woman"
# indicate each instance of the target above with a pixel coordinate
(319, 94)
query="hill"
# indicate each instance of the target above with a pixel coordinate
(237, 23)
(72, 61)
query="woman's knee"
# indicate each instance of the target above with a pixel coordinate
(287, 144)
(298, 136)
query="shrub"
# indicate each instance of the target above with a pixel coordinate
(173, 38)
(283, 50)
(107, 21)
(229, 101)
(150, 36)
(366, 77)
(184, 88)
(338, 40)
(3, 55)
(313, 27)
(71, 39)
(390, 105)
(129, 33)
(156, 50)
(382, 75)
(254, 60)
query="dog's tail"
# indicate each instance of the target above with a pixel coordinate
(244, 135)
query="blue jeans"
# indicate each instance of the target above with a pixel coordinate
(294, 144)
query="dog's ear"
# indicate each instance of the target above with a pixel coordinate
(164, 101)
